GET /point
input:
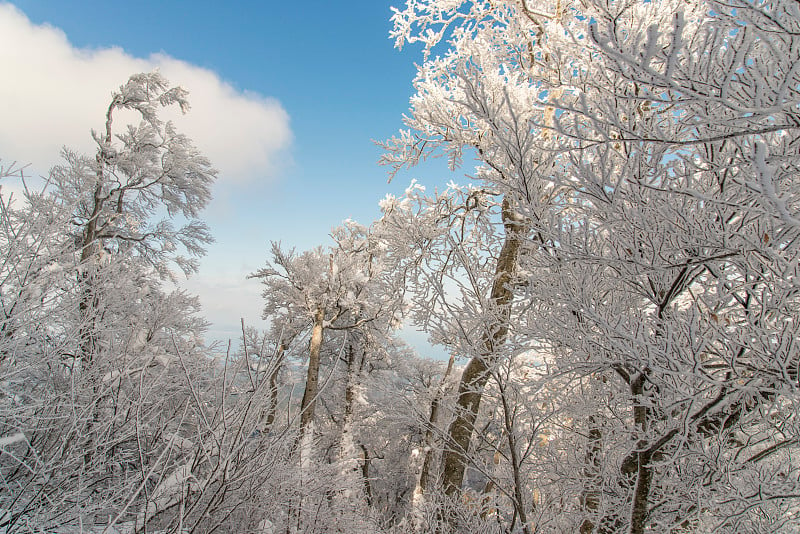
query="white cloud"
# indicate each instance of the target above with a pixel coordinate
(53, 94)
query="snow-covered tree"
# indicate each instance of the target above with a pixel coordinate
(648, 146)
(112, 412)
(126, 199)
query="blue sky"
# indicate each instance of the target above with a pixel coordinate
(333, 70)
(324, 74)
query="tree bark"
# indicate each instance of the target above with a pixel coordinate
(641, 494)
(348, 460)
(476, 373)
(365, 475)
(312, 376)
(590, 497)
(423, 471)
(277, 363)
(644, 470)
(427, 444)
(90, 252)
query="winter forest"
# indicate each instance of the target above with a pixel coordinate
(617, 282)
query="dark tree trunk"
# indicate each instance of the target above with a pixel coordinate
(477, 371)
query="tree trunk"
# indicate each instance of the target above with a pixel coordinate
(425, 472)
(476, 373)
(365, 475)
(644, 469)
(312, 377)
(88, 267)
(516, 463)
(636, 470)
(590, 497)
(423, 479)
(90, 254)
(277, 363)
(641, 495)
(350, 475)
